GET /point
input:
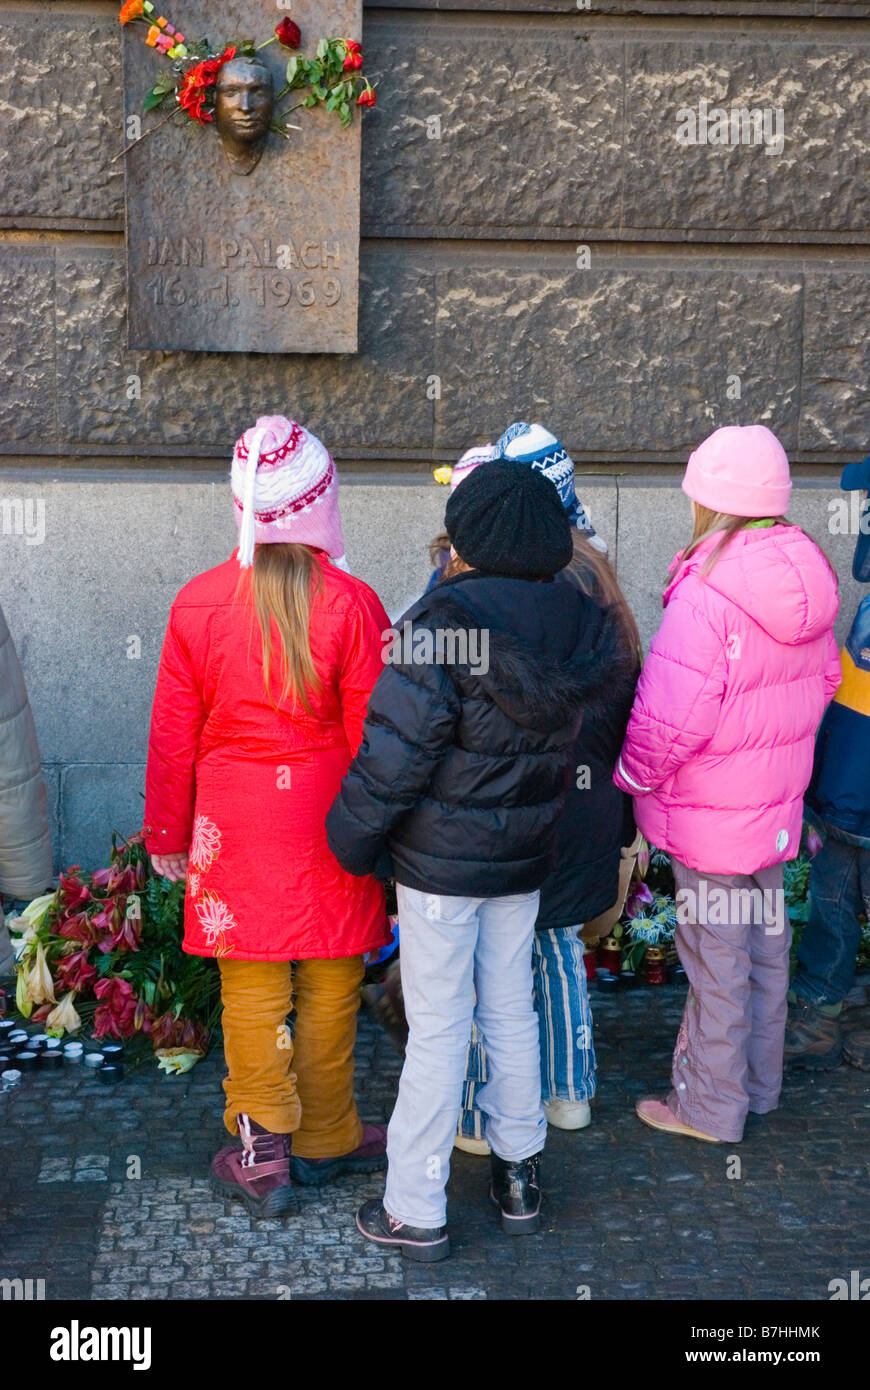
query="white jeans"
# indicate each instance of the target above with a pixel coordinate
(450, 948)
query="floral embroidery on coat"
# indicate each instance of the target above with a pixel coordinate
(216, 919)
(205, 845)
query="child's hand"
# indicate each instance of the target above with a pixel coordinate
(171, 866)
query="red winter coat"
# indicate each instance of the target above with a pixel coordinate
(245, 787)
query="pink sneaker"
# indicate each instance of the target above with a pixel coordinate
(658, 1115)
(257, 1174)
(367, 1157)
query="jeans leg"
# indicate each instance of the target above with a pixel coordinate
(564, 1017)
(826, 954)
(439, 935)
(511, 1099)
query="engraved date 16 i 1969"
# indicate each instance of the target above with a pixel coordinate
(224, 272)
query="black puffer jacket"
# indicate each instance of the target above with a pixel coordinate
(461, 776)
(597, 820)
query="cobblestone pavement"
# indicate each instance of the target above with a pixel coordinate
(631, 1214)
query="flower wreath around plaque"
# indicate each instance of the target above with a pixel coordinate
(230, 86)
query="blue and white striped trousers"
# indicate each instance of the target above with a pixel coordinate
(564, 1025)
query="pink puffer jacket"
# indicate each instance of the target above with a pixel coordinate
(719, 747)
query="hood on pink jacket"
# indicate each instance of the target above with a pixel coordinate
(776, 575)
(719, 746)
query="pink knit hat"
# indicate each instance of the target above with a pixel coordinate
(741, 470)
(285, 488)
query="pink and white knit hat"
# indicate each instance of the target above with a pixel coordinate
(285, 488)
(470, 460)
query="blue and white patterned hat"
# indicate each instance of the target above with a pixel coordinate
(541, 450)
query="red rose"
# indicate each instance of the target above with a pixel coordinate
(353, 56)
(366, 98)
(288, 33)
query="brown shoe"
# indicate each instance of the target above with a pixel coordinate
(813, 1040)
(856, 1049)
(257, 1174)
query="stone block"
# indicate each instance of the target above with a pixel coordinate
(835, 400)
(61, 73)
(620, 362)
(98, 798)
(724, 191)
(522, 145)
(27, 375)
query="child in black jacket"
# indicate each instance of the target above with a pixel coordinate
(457, 791)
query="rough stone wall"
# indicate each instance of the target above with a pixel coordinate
(556, 130)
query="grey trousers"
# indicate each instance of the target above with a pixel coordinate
(733, 937)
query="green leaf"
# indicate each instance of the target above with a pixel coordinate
(158, 93)
(345, 113)
(322, 48)
(310, 100)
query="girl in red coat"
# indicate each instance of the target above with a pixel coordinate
(264, 678)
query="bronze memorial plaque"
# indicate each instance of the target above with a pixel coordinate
(240, 239)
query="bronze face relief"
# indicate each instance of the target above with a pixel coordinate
(244, 105)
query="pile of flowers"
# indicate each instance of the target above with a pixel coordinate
(333, 77)
(650, 915)
(106, 946)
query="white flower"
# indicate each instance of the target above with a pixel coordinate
(64, 1018)
(205, 845)
(40, 987)
(216, 918)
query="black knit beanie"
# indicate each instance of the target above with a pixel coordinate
(506, 518)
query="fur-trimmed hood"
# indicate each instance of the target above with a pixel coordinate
(569, 661)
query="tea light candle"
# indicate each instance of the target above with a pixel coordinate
(27, 1059)
(93, 1059)
(11, 1077)
(38, 1041)
(112, 1050)
(7, 1026)
(52, 1045)
(18, 1038)
(606, 982)
(50, 1061)
(110, 1072)
(72, 1052)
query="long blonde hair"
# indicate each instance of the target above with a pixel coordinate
(709, 523)
(284, 579)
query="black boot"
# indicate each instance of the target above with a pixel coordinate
(516, 1191)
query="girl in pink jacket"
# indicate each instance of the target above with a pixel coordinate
(717, 755)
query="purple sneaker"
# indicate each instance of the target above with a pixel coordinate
(257, 1174)
(367, 1157)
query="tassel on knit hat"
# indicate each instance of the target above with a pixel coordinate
(285, 489)
(541, 450)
